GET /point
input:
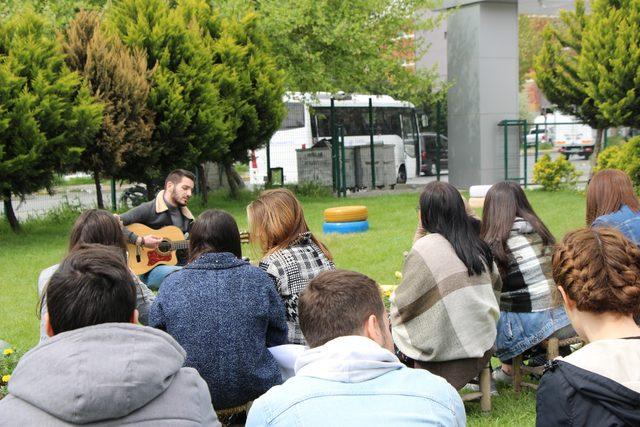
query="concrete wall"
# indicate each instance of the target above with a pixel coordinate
(436, 43)
(482, 50)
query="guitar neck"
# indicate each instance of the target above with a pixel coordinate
(179, 244)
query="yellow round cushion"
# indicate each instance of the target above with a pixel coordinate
(346, 214)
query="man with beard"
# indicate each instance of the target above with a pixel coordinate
(168, 208)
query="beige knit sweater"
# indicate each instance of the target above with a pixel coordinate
(439, 312)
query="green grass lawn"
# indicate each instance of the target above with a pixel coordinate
(377, 253)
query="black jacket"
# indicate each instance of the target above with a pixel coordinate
(572, 396)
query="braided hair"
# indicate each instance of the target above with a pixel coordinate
(599, 269)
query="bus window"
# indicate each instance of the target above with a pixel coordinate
(295, 116)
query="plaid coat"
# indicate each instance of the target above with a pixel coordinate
(527, 280)
(439, 313)
(292, 269)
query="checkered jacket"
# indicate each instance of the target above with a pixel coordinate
(527, 281)
(292, 269)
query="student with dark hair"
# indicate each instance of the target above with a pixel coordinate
(100, 367)
(522, 247)
(349, 375)
(224, 312)
(102, 227)
(444, 312)
(597, 271)
(612, 202)
(168, 208)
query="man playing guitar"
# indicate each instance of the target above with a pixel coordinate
(168, 208)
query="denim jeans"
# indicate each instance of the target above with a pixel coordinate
(518, 332)
(155, 277)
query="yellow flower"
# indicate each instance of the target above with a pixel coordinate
(6, 378)
(398, 275)
(7, 351)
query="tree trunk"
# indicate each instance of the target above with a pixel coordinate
(596, 151)
(9, 213)
(96, 180)
(203, 184)
(234, 180)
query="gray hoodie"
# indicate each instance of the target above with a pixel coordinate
(108, 374)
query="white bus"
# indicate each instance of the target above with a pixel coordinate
(308, 123)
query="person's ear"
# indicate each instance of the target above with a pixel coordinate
(134, 316)
(372, 330)
(568, 302)
(47, 325)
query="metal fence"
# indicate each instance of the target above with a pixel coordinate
(526, 162)
(75, 197)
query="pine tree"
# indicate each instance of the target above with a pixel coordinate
(120, 80)
(47, 116)
(249, 81)
(558, 71)
(610, 60)
(189, 114)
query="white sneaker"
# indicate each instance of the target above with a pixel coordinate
(501, 376)
(476, 387)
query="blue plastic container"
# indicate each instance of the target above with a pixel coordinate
(345, 227)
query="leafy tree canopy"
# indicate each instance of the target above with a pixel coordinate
(47, 116)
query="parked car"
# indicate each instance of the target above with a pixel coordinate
(429, 153)
(543, 136)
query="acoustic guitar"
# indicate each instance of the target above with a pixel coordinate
(142, 260)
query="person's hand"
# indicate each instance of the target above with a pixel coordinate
(152, 241)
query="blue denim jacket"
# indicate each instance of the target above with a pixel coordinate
(406, 397)
(354, 391)
(518, 332)
(625, 220)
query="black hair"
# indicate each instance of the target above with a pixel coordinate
(442, 211)
(92, 285)
(176, 176)
(504, 202)
(214, 231)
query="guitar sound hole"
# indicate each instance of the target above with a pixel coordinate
(164, 246)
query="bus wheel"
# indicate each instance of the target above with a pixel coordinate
(567, 155)
(402, 175)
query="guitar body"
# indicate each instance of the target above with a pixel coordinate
(142, 260)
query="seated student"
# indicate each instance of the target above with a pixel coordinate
(349, 376)
(521, 245)
(291, 254)
(445, 310)
(597, 271)
(224, 312)
(97, 226)
(100, 367)
(612, 202)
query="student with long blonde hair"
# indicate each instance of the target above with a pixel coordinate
(290, 252)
